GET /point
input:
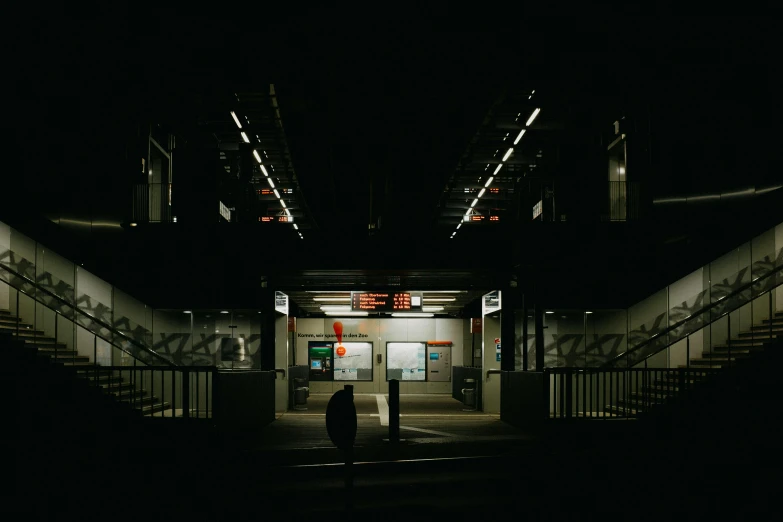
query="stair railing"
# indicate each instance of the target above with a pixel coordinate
(770, 277)
(77, 311)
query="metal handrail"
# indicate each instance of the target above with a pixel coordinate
(94, 319)
(691, 317)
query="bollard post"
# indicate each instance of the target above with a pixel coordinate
(394, 411)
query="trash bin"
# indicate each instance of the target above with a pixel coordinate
(300, 394)
(469, 395)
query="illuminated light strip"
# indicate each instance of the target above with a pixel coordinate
(489, 181)
(271, 184)
(258, 158)
(482, 192)
(263, 169)
(474, 203)
(497, 169)
(532, 117)
(508, 153)
(244, 137)
(459, 225)
(277, 194)
(519, 136)
(282, 203)
(296, 227)
(236, 120)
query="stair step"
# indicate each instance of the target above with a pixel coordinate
(654, 396)
(142, 399)
(761, 333)
(76, 363)
(113, 385)
(126, 393)
(622, 411)
(4, 311)
(66, 357)
(742, 353)
(154, 408)
(9, 320)
(23, 331)
(51, 350)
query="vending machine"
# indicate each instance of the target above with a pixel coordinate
(439, 362)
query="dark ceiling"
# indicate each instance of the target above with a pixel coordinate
(379, 112)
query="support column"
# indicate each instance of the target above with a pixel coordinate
(508, 330)
(539, 317)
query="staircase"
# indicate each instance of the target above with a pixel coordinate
(82, 366)
(668, 383)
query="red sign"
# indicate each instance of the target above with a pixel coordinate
(340, 351)
(475, 325)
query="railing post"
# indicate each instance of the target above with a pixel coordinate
(55, 335)
(728, 341)
(95, 358)
(688, 352)
(186, 393)
(19, 317)
(770, 315)
(569, 393)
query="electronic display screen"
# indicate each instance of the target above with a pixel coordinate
(315, 364)
(433, 356)
(385, 301)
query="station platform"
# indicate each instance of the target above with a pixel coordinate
(431, 426)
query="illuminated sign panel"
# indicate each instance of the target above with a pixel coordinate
(276, 219)
(385, 301)
(537, 208)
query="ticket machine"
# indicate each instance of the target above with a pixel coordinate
(320, 358)
(439, 362)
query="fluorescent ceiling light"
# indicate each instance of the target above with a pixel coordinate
(336, 308)
(548, 312)
(490, 180)
(497, 169)
(277, 194)
(288, 213)
(588, 312)
(333, 299)
(224, 311)
(407, 314)
(519, 136)
(459, 226)
(327, 291)
(244, 137)
(446, 292)
(282, 203)
(263, 169)
(296, 227)
(482, 192)
(508, 153)
(437, 299)
(474, 203)
(271, 183)
(258, 158)
(236, 120)
(532, 117)
(346, 314)
(432, 308)
(187, 312)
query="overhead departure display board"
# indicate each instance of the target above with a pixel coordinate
(385, 301)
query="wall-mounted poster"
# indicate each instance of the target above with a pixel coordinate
(353, 362)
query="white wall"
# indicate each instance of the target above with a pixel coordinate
(379, 332)
(490, 392)
(5, 244)
(778, 248)
(281, 361)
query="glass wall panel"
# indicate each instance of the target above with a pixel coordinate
(171, 334)
(406, 361)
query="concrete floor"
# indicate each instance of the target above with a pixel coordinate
(431, 426)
